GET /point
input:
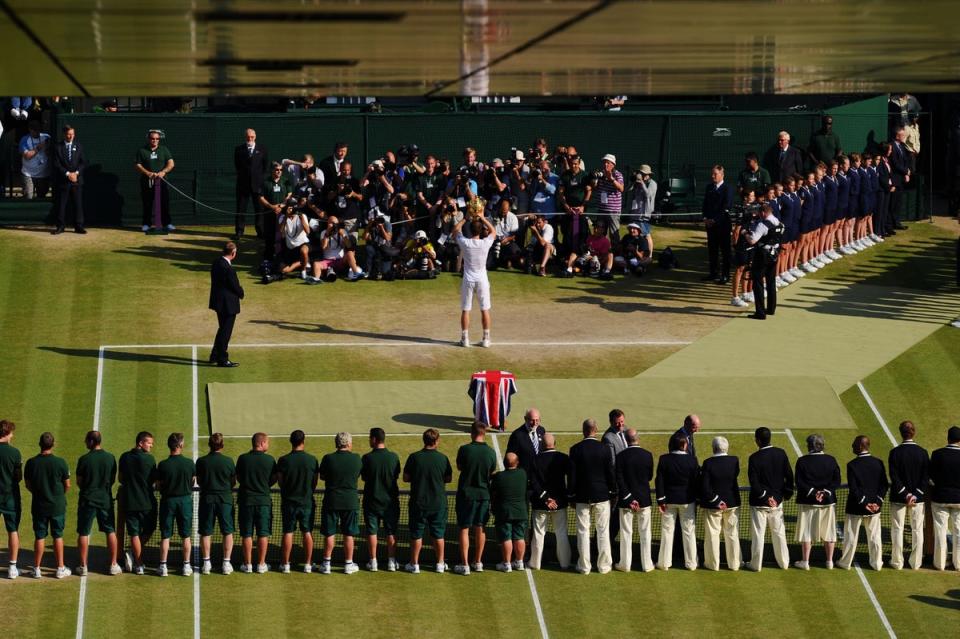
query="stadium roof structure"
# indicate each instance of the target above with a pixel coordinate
(477, 47)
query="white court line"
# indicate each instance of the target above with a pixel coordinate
(81, 605)
(874, 601)
(873, 407)
(196, 499)
(408, 343)
(496, 448)
(554, 432)
(793, 442)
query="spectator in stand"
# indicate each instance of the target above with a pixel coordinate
(824, 143)
(340, 512)
(720, 498)
(596, 258)
(548, 489)
(909, 465)
(818, 478)
(47, 477)
(899, 108)
(676, 484)
(783, 160)
(753, 177)
(20, 107)
(608, 189)
(35, 164)
(510, 501)
(717, 201)
(945, 498)
(69, 164)
(154, 162)
(868, 487)
(250, 161)
(540, 248)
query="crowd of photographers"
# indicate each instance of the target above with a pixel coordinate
(393, 218)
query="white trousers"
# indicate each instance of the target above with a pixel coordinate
(898, 515)
(687, 514)
(642, 517)
(851, 534)
(728, 521)
(601, 513)
(760, 518)
(558, 518)
(946, 518)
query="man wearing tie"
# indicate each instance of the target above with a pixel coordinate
(225, 296)
(527, 441)
(716, 203)
(691, 425)
(69, 163)
(899, 177)
(250, 160)
(615, 440)
(783, 160)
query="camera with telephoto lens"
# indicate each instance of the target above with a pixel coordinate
(742, 214)
(596, 176)
(534, 175)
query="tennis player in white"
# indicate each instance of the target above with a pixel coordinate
(474, 251)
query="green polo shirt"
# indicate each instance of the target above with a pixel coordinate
(340, 472)
(255, 470)
(575, 187)
(430, 186)
(96, 473)
(756, 181)
(46, 474)
(428, 469)
(380, 469)
(824, 147)
(275, 192)
(297, 471)
(215, 475)
(137, 471)
(476, 462)
(153, 161)
(10, 463)
(509, 491)
(175, 475)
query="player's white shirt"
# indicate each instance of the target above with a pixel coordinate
(474, 253)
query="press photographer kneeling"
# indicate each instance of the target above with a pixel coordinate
(766, 234)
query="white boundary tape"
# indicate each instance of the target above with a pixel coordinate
(387, 342)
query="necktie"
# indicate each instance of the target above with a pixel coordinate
(783, 153)
(623, 439)
(535, 442)
(69, 152)
(250, 148)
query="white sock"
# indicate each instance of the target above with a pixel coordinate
(465, 333)
(486, 334)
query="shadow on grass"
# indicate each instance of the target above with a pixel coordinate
(121, 356)
(188, 254)
(325, 329)
(428, 420)
(953, 603)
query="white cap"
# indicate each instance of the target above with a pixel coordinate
(420, 235)
(609, 157)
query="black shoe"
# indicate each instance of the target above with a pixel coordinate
(757, 316)
(80, 230)
(708, 278)
(900, 227)
(57, 231)
(771, 312)
(227, 364)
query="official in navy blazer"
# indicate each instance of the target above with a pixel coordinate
(909, 467)
(225, 296)
(771, 484)
(783, 160)
(818, 478)
(526, 442)
(548, 499)
(592, 486)
(720, 499)
(634, 469)
(250, 161)
(677, 483)
(945, 498)
(68, 166)
(868, 483)
(717, 201)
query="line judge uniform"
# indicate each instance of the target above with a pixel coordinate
(718, 483)
(634, 470)
(225, 296)
(676, 482)
(592, 484)
(868, 485)
(817, 520)
(945, 498)
(549, 481)
(909, 466)
(770, 476)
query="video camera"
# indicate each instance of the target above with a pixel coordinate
(742, 214)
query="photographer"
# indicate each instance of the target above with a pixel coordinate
(294, 228)
(345, 198)
(505, 252)
(276, 190)
(642, 202)
(516, 173)
(419, 258)
(596, 258)
(409, 162)
(309, 193)
(378, 244)
(766, 233)
(635, 255)
(448, 252)
(337, 255)
(494, 185)
(540, 248)
(608, 188)
(376, 188)
(462, 186)
(542, 185)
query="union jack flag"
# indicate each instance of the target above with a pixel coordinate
(491, 392)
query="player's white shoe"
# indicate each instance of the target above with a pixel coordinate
(227, 568)
(262, 568)
(115, 570)
(350, 568)
(504, 567)
(461, 569)
(413, 569)
(187, 570)
(207, 567)
(161, 571)
(372, 565)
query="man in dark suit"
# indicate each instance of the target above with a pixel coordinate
(868, 486)
(527, 441)
(945, 495)
(615, 439)
(592, 485)
(691, 426)
(68, 165)
(909, 465)
(634, 470)
(783, 160)
(331, 167)
(716, 203)
(720, 498)
(677, 485)
(899, 176)
(548, 499)
(771, 484)
(251, 161)
(225, 296)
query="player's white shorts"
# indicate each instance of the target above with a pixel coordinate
(481, 289)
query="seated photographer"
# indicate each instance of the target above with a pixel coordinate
(419, 258)
(634, 255)
(345, 199)
(337, 255)
(505, 251)
(294, 227)
(540, 248)
(642, 202)
(378, 245)
(402, 216)
(448, 253)
(596, 259)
